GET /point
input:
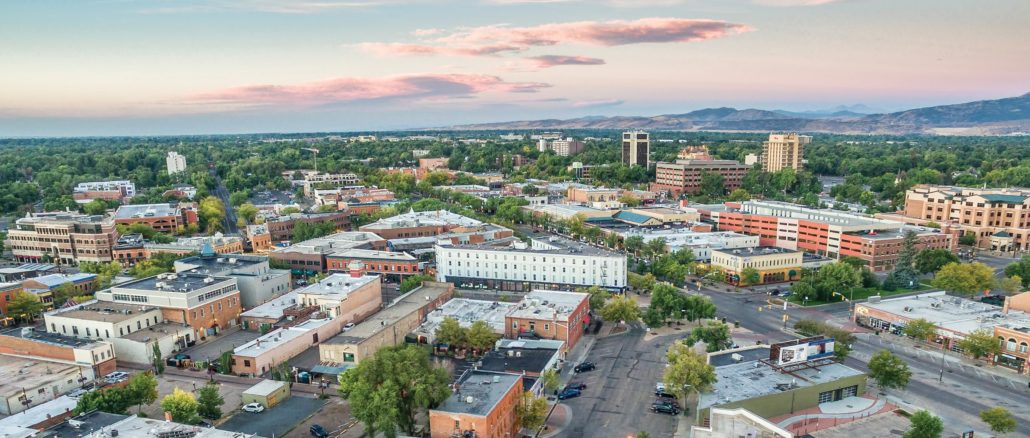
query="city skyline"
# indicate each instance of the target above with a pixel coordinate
(124, 67)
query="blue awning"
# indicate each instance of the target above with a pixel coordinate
(324, 369)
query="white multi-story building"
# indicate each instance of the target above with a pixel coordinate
(176, 162)
(126, 188)
(556, 264)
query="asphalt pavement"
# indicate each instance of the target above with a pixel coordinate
(274, 421)
(619, 393)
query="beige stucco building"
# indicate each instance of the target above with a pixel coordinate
(999, 218)
(783, 151)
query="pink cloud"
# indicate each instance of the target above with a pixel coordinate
(349, 89)
(497, 39)
(547, 61)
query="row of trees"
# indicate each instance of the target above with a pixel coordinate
(141, 389)
(478, 337)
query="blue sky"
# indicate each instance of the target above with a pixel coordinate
(113, 67)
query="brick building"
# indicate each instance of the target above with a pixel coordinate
(120, 191)
(482, 406)
(309, 257)
(63, 238)
(999, 218)
(166, 218)
(549, 315)
(684, 176)
(281, 228)
(418, 224)
(396, 264)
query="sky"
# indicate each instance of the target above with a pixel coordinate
(168, 67)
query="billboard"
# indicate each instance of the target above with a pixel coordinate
(820, 348)
(793, 354)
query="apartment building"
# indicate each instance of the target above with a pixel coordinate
(62, 238)
(483, 406)
(166, 218)
(784, 151)
(204, 304)
(547, 314)
(313, 180)
(175, 163)
(562, 147)
(830, 233)
(256, 280)
(636, 148)
(684, 176)
(774, 265)
(999, 218)
(130, 328)
(553, 264)
(119, 191)
(593, 195)
(218, 243)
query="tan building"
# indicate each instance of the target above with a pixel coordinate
(591, 195)
(636, 148)
(259, 356)
(387, 328)
(63, 238)
(773, 264)
(430, 164)
(349, 298)
(784, 151)
(482, 406)
(999, 218)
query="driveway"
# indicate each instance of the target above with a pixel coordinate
(276, 421)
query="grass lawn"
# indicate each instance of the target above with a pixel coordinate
(861, 294)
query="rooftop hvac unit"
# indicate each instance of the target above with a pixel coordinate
(221, 260)
(159, 285)
(209, 280)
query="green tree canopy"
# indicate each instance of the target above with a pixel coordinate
(688, 371)
(621, 309)
(209, 402)
(1021, 269)
(931, 260)
(715, 335)
(24, 306)
(965, 278)
(181, 405)
(450, 332)
(999, 419)
(749, 276)
(598, 297)
(480, 336)
(979, 343)
(531, 411)
(141, 389)
(888, 370)
(925, 425)
(921, 329)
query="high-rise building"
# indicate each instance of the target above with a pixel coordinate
(562, 147)
(784, 151)
(176, 163)
(997, 217)
(636, 148)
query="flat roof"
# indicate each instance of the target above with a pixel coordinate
(89, 423)
(54, 280)
(338, 284)
(137, 427)
(547, 304)
(265, 387)
(369, 254)
(50, 338)
(222, 264)
(39, 413)
(332, 243)
(103, 311)
(478, 392)
(466, 312)
(276, 338)
(421, 219)
(951, 313)
(403, 306)
(543, 244)
(157, 331)
(751, 379)
(138, 211)
(17, 372)
(273, 308)
(757, 251)
(521, 355)
(180, 282)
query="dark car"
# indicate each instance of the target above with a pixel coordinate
(318, 431)
(577, 385)
(667, 400)
(584, 367)
(569, 393)
(665, 408)
(664, 394)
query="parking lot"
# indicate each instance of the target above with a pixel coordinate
(619, 393)
(231, 393)
(277, 420)
(216, 345)
(335, 417)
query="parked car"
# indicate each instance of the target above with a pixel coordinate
(117, 376)
(775, 292)
(669, 400)
(318, 431)
(576, 385)
(662, 392)
(253, 407)
(569, 393)
(665, 408)
(785, 294)
(584, 367)
(348, 326)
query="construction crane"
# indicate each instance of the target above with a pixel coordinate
(315, 151)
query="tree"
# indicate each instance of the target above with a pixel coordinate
(95, 207)
(113, 401)
(920, 329)
(181, 405)
(965, 278)
(968, 239)
(142, 389)
(248, 212)
(738, 195)
(643, 434)
(634, 244)
(1010, 285)
(598, 296)
(411, 282)
(655, 247)
(621, 309)
(630, 201)
(531, 411)
(836, 277)
(688, 371)
(157, 359)
(451, 333)
(888, 370)
(925, 425)
(712, 184)
(209, 402)
(715, 335)
(804, 290)
(999, 419)
(549, 379)
(1020, 269)
(666, 300)
(24, 306)
(480, 336)
(697, 308)
(643, 283)
(387, 390)
(980, 343)
(931, 260)
(652, 318)
(211, 212)
(904, 273)
(64, 292)
(749, 276)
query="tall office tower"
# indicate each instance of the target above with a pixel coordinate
(784, 151)
(636, 148)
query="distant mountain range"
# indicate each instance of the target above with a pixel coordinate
(984, 117)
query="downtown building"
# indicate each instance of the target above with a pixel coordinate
(121, 191)
(828, 233)
(636, 148)
(999, 218)
(554, 264)
(165, 218)
(784, 151)
(62, 238)
(684, 176)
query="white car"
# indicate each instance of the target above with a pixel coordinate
(348, 326)
(253, 407)
(116, 377)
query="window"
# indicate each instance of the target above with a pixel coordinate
(246, 363)
(825, 397)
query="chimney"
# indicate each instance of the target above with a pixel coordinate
(356, 268)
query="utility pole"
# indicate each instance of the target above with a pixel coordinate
(315, 152)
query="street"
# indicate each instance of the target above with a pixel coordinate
(229, 226)
(966, 389)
